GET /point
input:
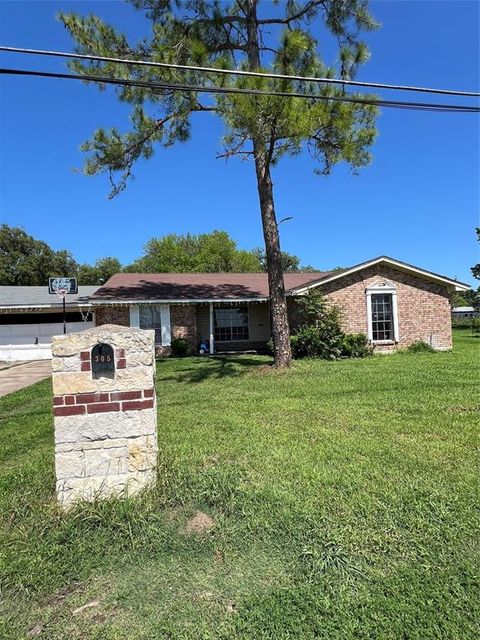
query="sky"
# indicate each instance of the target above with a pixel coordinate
(418, 201)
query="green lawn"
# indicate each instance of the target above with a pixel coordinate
(344, 496)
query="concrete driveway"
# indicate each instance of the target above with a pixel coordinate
(18, 376)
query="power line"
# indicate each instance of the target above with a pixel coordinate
(239, 72)
(164, 86)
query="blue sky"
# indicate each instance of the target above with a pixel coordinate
(418, 201)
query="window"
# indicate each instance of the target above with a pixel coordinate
(231, 324)
(382, 312)
(382, 316)
(151, 318)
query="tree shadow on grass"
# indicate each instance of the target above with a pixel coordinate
(216, 368)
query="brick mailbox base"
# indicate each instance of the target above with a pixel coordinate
(105, 413)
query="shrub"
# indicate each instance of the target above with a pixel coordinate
(475, 325)
(269, 346)
(462, 323)
(318, 333)
(310, 343)
(180, 348)
(420, 347)
(467, 323)
(356, 345)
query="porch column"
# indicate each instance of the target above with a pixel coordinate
(212, 346)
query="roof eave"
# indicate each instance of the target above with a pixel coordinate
(100, 302)
(454, 285)
(32, 305)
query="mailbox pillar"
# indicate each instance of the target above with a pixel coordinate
(105, 413)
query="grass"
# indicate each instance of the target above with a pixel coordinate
(344, 495)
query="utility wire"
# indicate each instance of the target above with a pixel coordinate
(164, 86)
(239, 72)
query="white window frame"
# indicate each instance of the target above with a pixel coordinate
(135, 316)
(385, 287)
(166, 331)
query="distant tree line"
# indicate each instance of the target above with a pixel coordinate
(24, 260)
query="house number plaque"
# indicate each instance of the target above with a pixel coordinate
(103, 362)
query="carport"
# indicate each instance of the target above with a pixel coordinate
(30, 316)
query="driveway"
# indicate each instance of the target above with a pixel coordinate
(19, 376)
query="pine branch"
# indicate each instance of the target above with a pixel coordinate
(313, 4)
(236, 150)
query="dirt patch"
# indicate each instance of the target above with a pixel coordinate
(65, 592)
(271, 370)
(199, 524)
(99, 618)
(211, 461)
(465, 409)
(173, 514)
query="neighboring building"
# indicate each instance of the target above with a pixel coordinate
(30, 316)
(394, 303)
(459, 313)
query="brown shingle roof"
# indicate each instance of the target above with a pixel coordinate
(196, 286)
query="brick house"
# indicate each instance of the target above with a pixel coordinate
(392, 302)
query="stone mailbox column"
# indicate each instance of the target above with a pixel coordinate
(105, 413)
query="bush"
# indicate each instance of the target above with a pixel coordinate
(269, 347)
(310, 343)
(467, 323)
(180, 348)
(318, 333)
(420, 347)
(356, 345)
(463, 323)
(475, 325)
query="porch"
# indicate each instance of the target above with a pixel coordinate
(221, 326)
(231, 326)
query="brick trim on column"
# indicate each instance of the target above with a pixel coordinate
(80, 403)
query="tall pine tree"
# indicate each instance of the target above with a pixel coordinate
(239, 34)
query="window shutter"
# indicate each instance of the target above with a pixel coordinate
(134, 316)
(166, 330)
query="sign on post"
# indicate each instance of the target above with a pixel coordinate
(62, 287)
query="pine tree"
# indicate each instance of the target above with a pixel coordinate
(239, 34)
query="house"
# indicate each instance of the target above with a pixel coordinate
(394, 303)
(30, 316)
(460, 313)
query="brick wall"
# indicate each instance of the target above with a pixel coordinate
(183, 323)
(423, 307)
(112, 315)
(82, 403)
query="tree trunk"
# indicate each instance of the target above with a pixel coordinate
(276, 286)
(278, 303)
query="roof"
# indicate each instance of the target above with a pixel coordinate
(16, 297)
(463, 310)
(209, 287)
(136, 287)
(450, 283)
